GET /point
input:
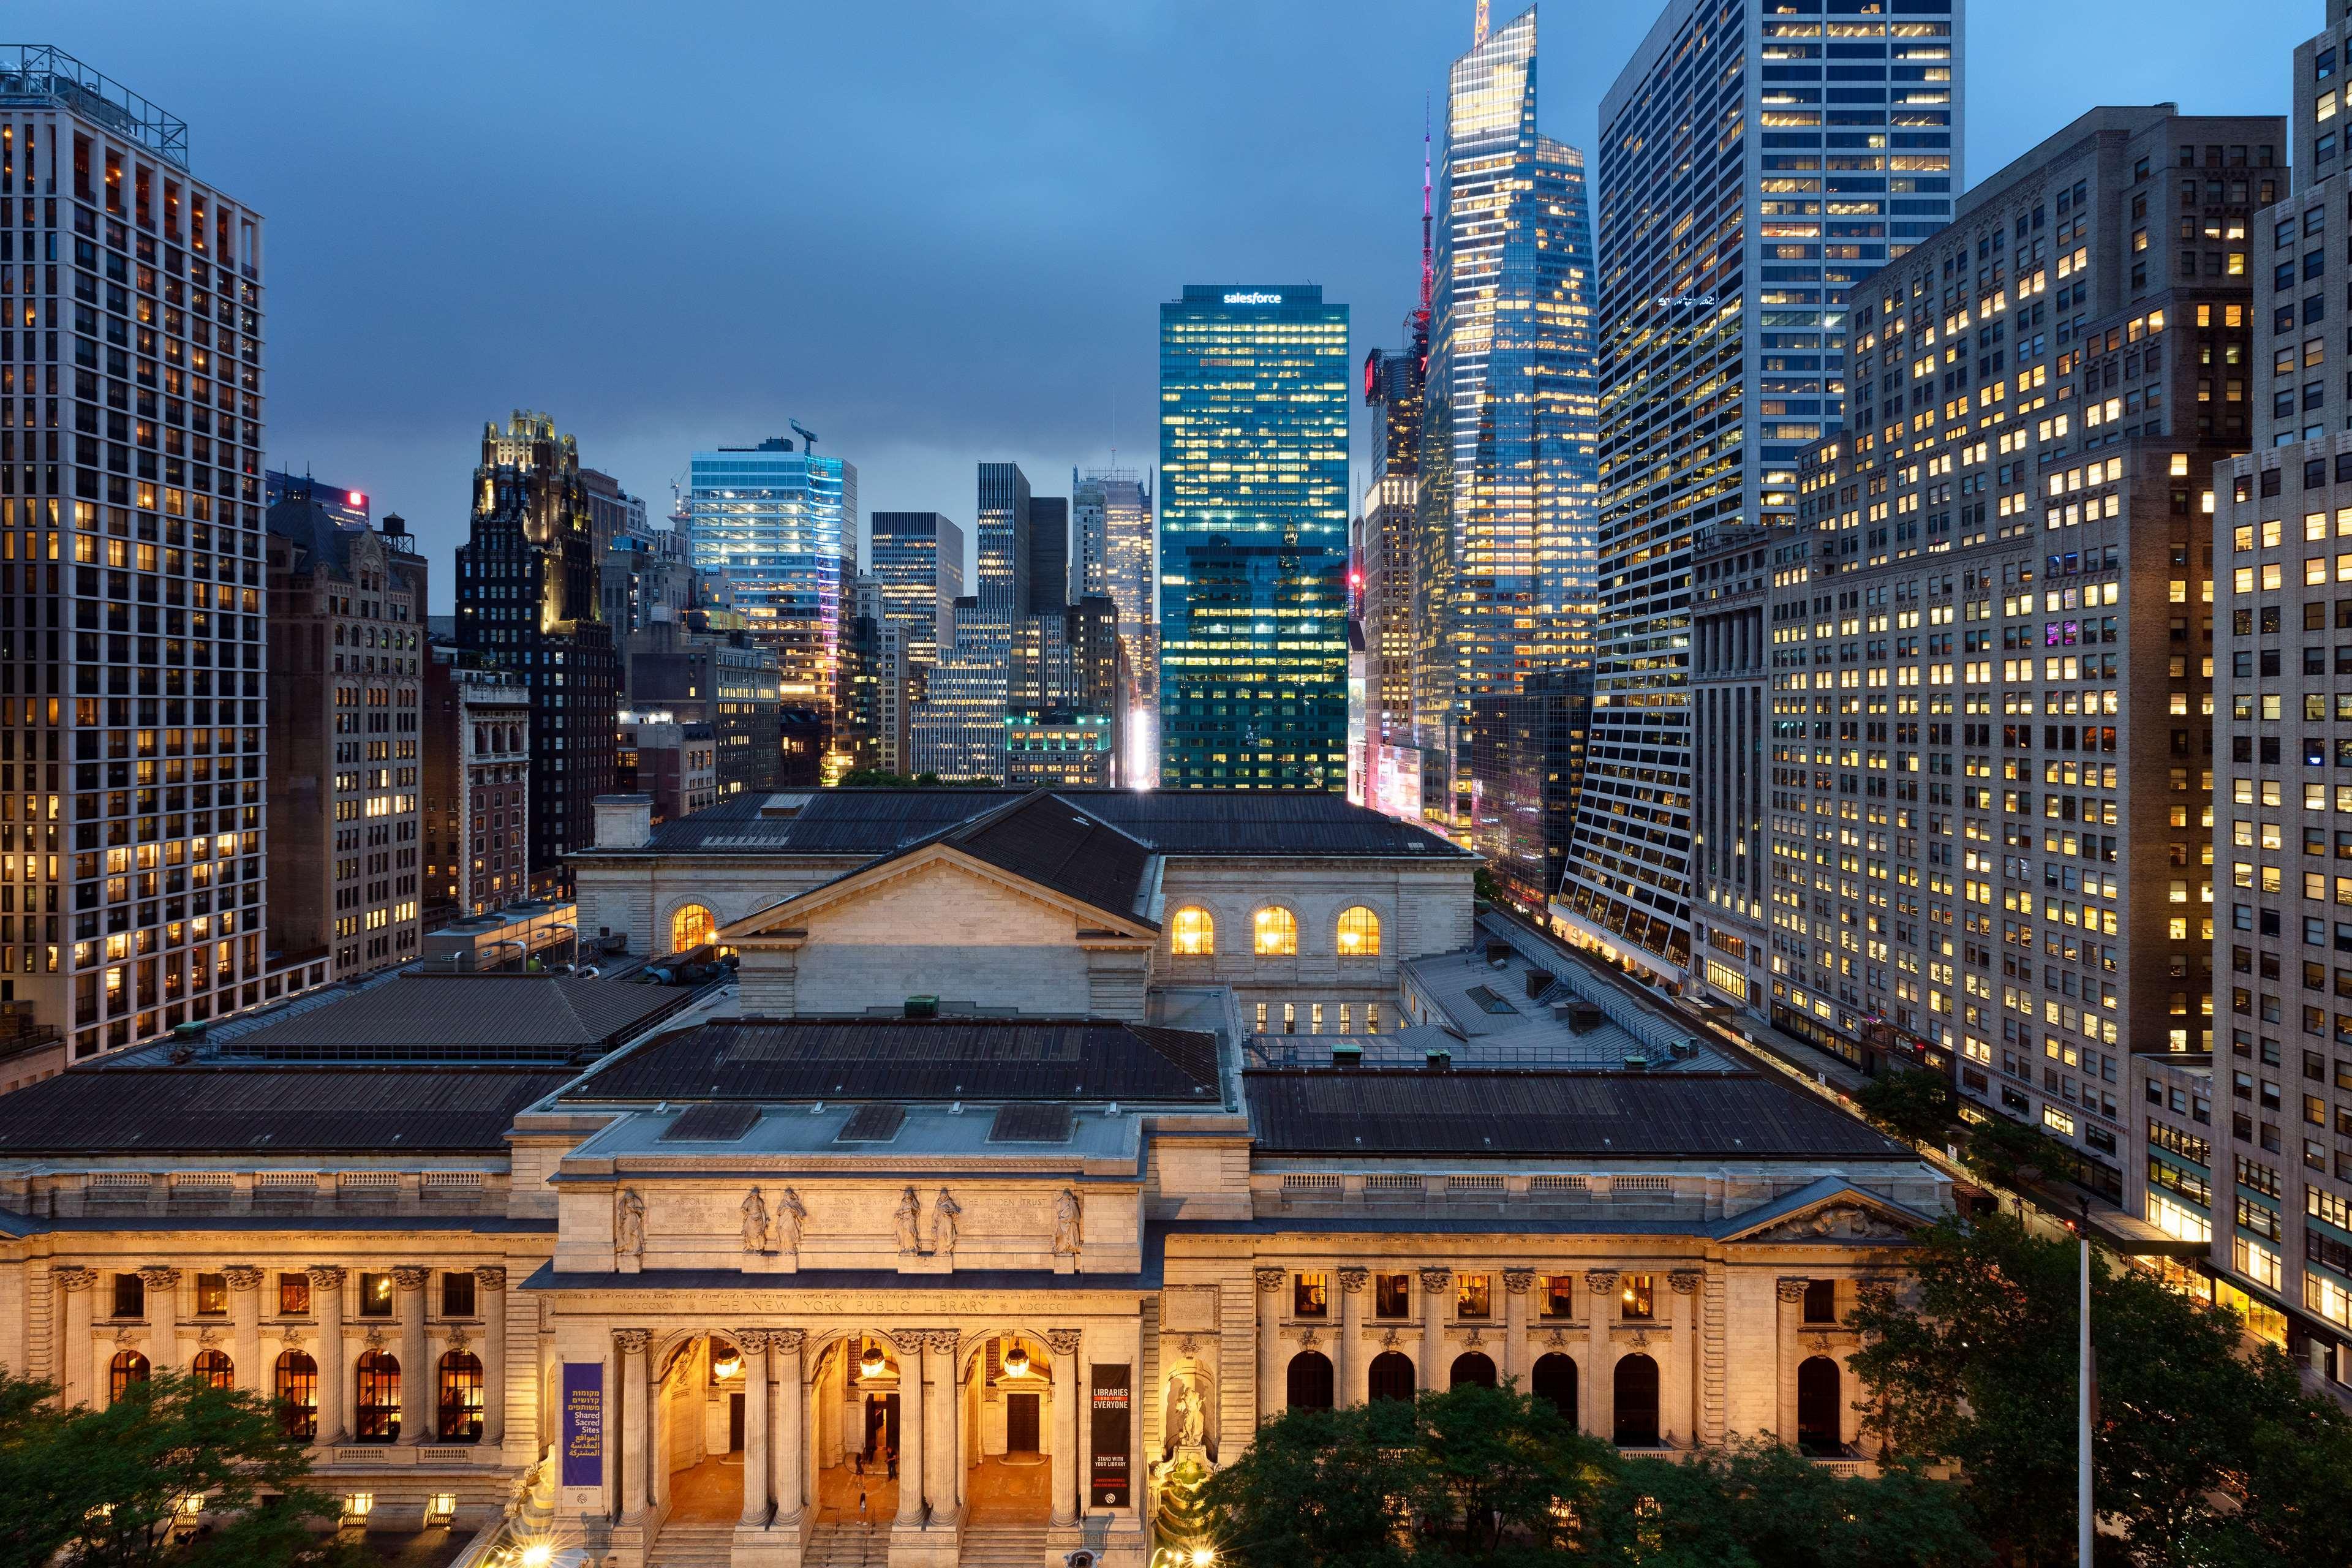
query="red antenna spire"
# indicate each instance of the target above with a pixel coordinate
(1428, 264)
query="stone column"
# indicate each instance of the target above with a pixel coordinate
(636, 1406)
(946, 1417)
(335, 1373)
(1517, 1283)
(417, 1376)
(1272, 1397)
(753, 1343)
(162, 1316)
(1354, 1368)
(76, 1283)
(1593, 1387)
(1436, 1285)
(1678, 1405)
(910, 1423)
(1066, 1344)
(1790, 1323)
(788, 1452)
(245, 1316)
(490, 1293)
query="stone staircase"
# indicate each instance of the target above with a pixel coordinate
(692, 1545)
(848, 1545)
(1002, 1546)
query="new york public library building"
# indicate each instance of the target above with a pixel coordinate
(1027, 1154)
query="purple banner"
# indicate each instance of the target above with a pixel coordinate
(583, 1424)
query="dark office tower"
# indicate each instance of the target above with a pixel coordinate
(346, 656)
(135, 474)
(1757, 159)
(612, 512)
(1001, 572)
(1254, 539)
(527, 586)
(919, 560)
(1049, 554)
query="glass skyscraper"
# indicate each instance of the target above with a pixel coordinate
(782, 526)
(1509, 488)
(1755, 163)
(1253, 390)
(918, 558)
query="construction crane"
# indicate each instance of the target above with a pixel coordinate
(808, 437)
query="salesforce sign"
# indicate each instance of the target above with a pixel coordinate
(1253, 296)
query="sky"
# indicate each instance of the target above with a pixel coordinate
(936, 233)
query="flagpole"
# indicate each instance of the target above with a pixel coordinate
(2083, 1514)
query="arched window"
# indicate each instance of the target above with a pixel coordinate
(1359, 933)
(376, 1417)
(690, 927)
(298, 1395)
(1471, 1368)
(1310, 1381)
(1391, 1376)
(1277, 932)
(460, 1401)
(215, 1368)
(127, 1368)
(1637, 1403)
(1555, 1379)
(1818, 1408)
(1193, 933)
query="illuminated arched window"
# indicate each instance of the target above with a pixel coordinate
(460, 1404)
(1194, 933)
(1277, 932)
(215, 1368)
(298, 1395)
(692, 927)
(1359, 932)
(377, 1415)
(127, 1368)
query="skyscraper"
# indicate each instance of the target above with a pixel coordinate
(1754, 164)
(919, 561)
(528, 601)
(1503, 573)
(109, 940)
(781, 525)
(346, 680)
(957, 729)
(1049, 554)
(1254, 538)
(1112, 508)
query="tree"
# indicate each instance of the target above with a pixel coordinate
(1472, 1475)
(2008, 1151)
(1761, 1505)
(105, 1487)
(1910, 1102)
(2200, 1446)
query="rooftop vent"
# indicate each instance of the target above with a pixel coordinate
(1440, 1059)
(711, 1124)
(872, 1124)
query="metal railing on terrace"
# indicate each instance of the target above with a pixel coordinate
(43, 73)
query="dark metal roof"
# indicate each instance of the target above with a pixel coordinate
(466, 1018)
(864, 824)
(294, 1109)
(1060, 845)
(1600, 1115)
(1028, 1123)
(875, 1123)
(912, 1059)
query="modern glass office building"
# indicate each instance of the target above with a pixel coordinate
(1757, 158)
(1253, 390)
(917, 556)
(1504, 572)
(782, 526)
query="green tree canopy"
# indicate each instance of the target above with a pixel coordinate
(1912, 1103)
(105, 1487)
(2203, 1447)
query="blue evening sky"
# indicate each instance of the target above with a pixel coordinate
(934, 232)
